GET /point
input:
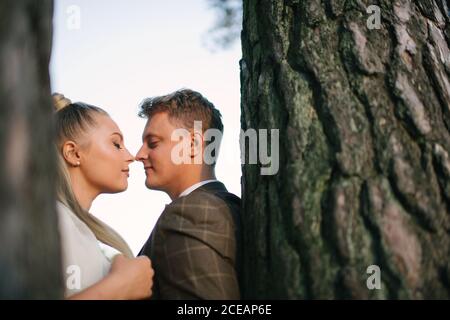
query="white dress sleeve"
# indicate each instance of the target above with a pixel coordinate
(83, 261)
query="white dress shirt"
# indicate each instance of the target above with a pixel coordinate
(195, 186)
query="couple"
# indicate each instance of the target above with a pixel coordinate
(194, 249)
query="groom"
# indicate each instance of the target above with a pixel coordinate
(195, 245)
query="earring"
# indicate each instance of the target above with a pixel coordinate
(78, 164)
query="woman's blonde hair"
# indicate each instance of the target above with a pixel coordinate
(71, 120)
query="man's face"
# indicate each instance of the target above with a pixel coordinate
(162, 173)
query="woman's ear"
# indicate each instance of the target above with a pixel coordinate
(70, 152)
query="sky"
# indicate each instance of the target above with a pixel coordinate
(113, 54)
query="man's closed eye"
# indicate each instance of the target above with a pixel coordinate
(152, 145)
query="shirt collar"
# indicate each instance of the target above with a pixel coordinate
(195, 186)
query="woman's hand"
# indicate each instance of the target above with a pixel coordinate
(134, 276)
(129, 278)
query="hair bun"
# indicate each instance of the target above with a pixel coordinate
(59, 101)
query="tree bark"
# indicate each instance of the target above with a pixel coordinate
(364, 119)
(30, 253)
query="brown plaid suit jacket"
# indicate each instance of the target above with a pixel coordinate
(195, 246)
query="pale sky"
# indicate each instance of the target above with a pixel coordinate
(120, 52)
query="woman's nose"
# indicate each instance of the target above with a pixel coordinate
(130, 157)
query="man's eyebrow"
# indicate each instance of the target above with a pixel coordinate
(151, 135)
(119, 134)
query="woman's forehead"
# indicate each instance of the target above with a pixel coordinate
(107, 124)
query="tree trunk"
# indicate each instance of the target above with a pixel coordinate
(29, 254)
(364, 119)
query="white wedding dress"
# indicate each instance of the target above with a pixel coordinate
(85, 259)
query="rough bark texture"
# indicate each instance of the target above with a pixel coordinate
(29, 252)
(364, 119)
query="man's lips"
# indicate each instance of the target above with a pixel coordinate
(147, 168)
(127, 171)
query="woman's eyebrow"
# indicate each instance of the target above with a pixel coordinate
(119, 134)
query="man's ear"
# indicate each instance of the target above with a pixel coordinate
(196, 144)
(70, 152)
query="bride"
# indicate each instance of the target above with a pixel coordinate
(92, 159)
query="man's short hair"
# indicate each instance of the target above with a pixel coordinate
(184, 107)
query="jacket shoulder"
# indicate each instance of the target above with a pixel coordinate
(199, 205)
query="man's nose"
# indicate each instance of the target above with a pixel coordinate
(141, 155)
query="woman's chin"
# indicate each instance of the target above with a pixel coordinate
(117, 189)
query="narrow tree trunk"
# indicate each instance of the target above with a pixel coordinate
(29, 253)
(364, 119)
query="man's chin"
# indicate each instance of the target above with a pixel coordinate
(152, 186)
